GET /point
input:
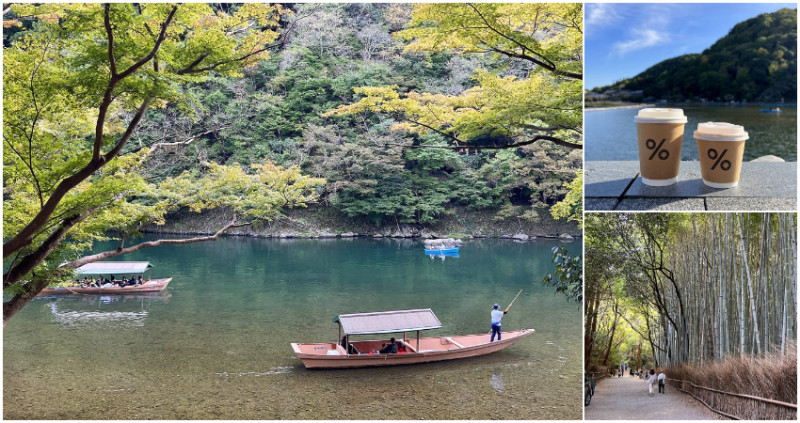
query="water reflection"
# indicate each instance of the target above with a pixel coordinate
(497, 382)
(79, 311)
(443, 255)
(611, 134)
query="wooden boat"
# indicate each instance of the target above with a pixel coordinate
(110, 268)
(347, 354)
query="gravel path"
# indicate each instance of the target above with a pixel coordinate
(627, 398)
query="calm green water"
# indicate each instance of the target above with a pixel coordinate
(611, 134)
(217, 347)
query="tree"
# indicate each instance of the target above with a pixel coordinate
(568, 278)
(531, 94)
(546, 104)
(77, 86)
(571, 207)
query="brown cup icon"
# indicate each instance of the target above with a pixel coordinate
(721, 148)
(659, 152)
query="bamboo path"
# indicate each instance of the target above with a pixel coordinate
(627, 398)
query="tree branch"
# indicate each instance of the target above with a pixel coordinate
(15, 273)
(112, 61)
(544, 62)
(162, 35)
(25, 235)
(149, 244)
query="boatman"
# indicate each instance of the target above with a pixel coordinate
(497, 314)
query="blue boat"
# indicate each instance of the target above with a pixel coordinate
(442, 252)
(772, 110)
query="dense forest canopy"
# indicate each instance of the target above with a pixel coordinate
(117, 116)
(756, 61)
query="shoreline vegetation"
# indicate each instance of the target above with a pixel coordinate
(321, 223)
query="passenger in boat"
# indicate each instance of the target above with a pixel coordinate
(139, 280)
(390, 348)
(348, 347)
(497, 315)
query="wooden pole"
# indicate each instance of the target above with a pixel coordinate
(512, 301)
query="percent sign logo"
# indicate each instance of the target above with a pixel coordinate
(651, 145)
(723, 164)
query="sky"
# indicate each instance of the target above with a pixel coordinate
(624, 39)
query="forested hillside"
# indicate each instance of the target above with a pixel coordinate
(276, 111)
(756, 61)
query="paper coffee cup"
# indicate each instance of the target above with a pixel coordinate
(721, 148)
(660, 135)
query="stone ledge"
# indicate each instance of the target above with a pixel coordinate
(616, 185)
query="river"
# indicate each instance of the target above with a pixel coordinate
(611, 134)
(216, 346)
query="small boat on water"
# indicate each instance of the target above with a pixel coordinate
(442, 252)
(442, 247)
(771, 110)
(350, 354)
(112, 268)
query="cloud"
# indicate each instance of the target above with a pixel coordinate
(600, 14)
(641, 38)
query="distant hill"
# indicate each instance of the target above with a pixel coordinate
(756, 61)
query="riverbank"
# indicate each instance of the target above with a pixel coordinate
(324, 222)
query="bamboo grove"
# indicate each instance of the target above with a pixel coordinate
(689, 288)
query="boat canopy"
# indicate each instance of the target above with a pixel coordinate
(106, 267)
(388, 321)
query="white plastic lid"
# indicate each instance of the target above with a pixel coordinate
(720, 131)
(656, 115)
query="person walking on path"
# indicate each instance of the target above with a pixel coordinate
(622, 400)
(651, 381)
(662, 379)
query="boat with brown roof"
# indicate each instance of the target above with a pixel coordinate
(349, 354)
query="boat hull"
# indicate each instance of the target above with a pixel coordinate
(442, 251)
(151, 286)
(333, 356)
